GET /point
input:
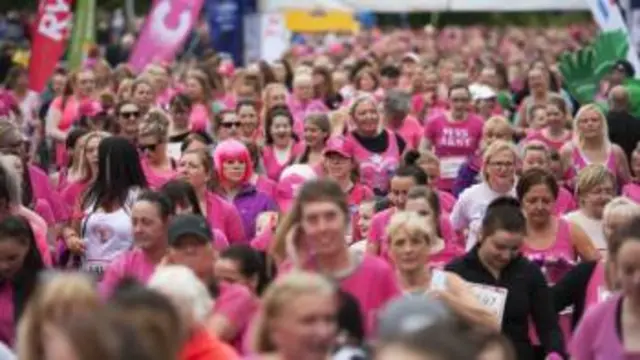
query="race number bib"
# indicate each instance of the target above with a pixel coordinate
(493, 298)
(96, 268)
(449, 166)
(173, 150)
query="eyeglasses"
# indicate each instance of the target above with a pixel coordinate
(501, 164)
(147, 147)
(130, 114)
(230, 124)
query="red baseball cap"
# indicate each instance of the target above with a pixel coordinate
(338, 145)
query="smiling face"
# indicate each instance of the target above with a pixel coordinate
(281, 130)
(324, 226)
(366, 117)
(501, 169)
(409, 252)
(248, 116)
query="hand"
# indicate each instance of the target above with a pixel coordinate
(578, 71)
(75, 244)
(609, 47)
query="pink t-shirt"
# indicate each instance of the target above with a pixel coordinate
(266, 185)
(71, 194)
(132, 264)
(238, 305)
(40, 229)
(68, 115)
(565, 202)
(273, 168)
(411, 131)
(199, 117)
(632, 191)
(42, 189)
(596, 337)
(453, 143)
(376, 170)
(156, 178)
(300, 110)
(262, 241)
(447, 200)
(373, 284)
(7, 316)
(224, 216)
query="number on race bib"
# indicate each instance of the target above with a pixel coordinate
(493, 298)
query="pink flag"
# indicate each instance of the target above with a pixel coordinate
(164, 31)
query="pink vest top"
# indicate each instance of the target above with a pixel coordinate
(376, 170)
(559, 258)
(538, 135)
(272, 167)
(632, 191)
(579, 162)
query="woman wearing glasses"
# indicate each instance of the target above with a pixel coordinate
(128, 116)
(499, 173)
(153, 138)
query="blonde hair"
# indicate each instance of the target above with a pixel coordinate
(620, 207)
(412, 224)
(156, 124)
(80, 168)
(302, 78)
(124, 90)
(63, 295)
(183, 286)
(284, 291)
(592, 176)
(536, 145)
(496, 147)
(266, 95)
(577, 137)
(497, 121)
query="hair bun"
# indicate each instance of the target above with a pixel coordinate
(411, 157)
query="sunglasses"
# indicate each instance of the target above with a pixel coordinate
(130, 114)
(147, 147)
(230, 124)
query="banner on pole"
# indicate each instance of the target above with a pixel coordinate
(51, 31)
(165, 30)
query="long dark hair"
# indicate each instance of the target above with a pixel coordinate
(119, 171)
(181, 193)
(16, 228)
(279, 110)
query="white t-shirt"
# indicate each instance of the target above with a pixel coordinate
(470, 208)
(592, 227)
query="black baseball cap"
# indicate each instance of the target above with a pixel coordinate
(624, 66)
(189, 224)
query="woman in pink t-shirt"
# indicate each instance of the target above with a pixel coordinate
(609, 330)
(153, 137)
(376, 150)
(321, 246)
(301, 103)
(196, 166)
(281, 145)
(199, 91)
(317, 130)
(454, 136)
(63, 111)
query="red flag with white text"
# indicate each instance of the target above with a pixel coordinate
(49, 40)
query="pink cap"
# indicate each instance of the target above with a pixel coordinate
(291, 180)
(337, 145)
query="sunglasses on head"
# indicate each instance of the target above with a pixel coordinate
(147, 147)
(230, 124)
(130, 114)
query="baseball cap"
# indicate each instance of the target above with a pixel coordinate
(291, 180)
(189, 224)
(624, 66)
(412, 57)
(409, 314)
(481, 92)
(337, 145)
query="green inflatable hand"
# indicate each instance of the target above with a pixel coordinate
(609, 47)
(633, 89)
(577, 69)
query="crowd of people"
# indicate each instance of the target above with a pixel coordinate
(412, 194)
